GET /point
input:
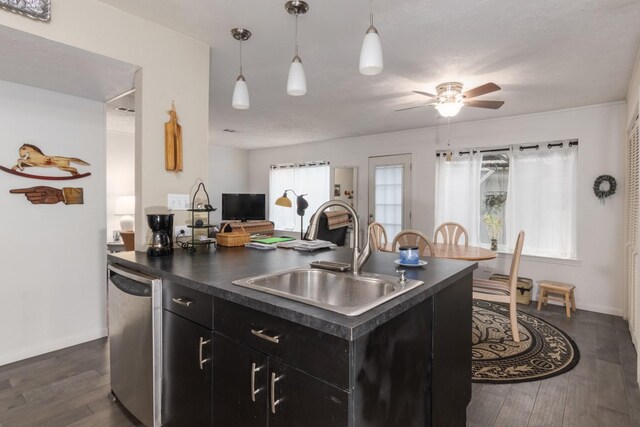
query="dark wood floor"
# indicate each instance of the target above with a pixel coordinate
(70, 387)
(600, 391)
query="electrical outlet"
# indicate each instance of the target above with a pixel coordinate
(177, 229)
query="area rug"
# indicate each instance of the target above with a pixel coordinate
(543, 351)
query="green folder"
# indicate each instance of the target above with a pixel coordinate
(270, 240)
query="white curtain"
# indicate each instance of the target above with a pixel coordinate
(311, 179)
(458, 192)
(543, 200)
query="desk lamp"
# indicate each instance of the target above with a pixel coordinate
(301, 204)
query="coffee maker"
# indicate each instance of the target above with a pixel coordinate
(161, 240)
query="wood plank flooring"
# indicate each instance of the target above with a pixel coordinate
(70, 387)
(600, 391)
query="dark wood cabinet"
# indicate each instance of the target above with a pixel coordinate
(228, 365)
(187, 374)
(256, 390)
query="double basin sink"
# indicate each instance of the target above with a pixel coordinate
(343, 293)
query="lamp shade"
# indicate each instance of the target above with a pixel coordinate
(240, 99)
(297, 82)
(449, 109)
(126, 206)
(284, 201)
(371, 59)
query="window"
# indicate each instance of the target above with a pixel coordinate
(311, 179)
(496, 193)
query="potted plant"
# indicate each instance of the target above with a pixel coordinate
(493, 205)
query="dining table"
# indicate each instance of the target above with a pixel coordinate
(457, 251)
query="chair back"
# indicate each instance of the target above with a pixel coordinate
(377, 236)
(451, 233)
(515, 265)
(414, 238)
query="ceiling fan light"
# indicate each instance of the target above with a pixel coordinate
(240, 99)
(449, 109)
(297, 82)
(371, 59)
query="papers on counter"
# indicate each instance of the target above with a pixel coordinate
(306, 245)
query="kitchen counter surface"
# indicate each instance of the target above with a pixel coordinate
(211, 271)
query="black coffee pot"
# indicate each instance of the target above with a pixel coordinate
(161, 240)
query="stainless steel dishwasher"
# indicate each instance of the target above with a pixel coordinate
(135, 338)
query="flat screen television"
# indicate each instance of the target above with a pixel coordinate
(243, 207)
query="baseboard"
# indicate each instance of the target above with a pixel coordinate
(589, 307)
(52, 346)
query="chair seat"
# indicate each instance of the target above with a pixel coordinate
(492, 287)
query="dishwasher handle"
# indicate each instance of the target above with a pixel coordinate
(131, 274)
(130, 282)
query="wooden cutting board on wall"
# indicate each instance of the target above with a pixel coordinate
(173, 142)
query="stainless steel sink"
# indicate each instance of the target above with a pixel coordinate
(340, 292)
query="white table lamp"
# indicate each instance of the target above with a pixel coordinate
(126, 206)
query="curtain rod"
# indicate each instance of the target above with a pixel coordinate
(550, 145)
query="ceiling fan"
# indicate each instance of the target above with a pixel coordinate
(450, 98)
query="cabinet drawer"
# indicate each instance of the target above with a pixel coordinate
(188, 303)
(322, 355)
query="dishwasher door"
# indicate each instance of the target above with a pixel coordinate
(135, 316)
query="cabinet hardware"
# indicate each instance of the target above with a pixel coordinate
(261, 334)
(254, 369)
(183, 301)
(274, 402)
(200, 359)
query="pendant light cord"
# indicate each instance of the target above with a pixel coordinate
(296, 33)
(241, 57)
(371, 12)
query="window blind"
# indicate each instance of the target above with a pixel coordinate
(632, 198)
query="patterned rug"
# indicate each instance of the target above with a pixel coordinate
(543, 351)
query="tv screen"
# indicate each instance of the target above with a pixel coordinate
(243, 207)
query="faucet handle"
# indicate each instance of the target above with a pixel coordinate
(402, 278)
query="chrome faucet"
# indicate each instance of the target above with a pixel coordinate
(360, 256)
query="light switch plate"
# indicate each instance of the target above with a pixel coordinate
(178, 202)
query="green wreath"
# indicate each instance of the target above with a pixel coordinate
(608, 190)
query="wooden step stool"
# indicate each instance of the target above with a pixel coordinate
(546, 287)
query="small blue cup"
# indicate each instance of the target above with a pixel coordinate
(409, 255)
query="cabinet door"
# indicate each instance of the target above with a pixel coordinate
(240, 395)
(298, 399)
(187, 374)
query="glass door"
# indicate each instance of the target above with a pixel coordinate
(390, 192)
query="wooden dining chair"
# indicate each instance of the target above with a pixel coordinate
(414, 238)
(451, 233)
(377, 236)
(494, 291)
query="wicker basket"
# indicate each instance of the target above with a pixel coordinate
(232, 238)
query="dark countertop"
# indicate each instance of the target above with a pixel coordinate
(212, 271)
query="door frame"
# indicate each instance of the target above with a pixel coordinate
(404, 159)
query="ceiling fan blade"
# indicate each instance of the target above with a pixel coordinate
(485, 104)
(411, 108)
(481, 90)
(430, 95)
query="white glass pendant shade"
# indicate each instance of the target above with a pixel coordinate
(371, 60)
(240, 99)
(449, 109)
(297, 82)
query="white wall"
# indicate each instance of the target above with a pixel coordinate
(173, 67)
(600, 129)
(49, 309)
(120, 174)
(228, 173)
(52, 291)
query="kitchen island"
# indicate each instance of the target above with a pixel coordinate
(235, 356)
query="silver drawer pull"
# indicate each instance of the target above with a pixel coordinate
(274, 402)
(254, 369)
(261, 334)
(200, 359)
(183, 301)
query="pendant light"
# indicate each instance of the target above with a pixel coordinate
(371, 61)
(240, 99)
(297, 82)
